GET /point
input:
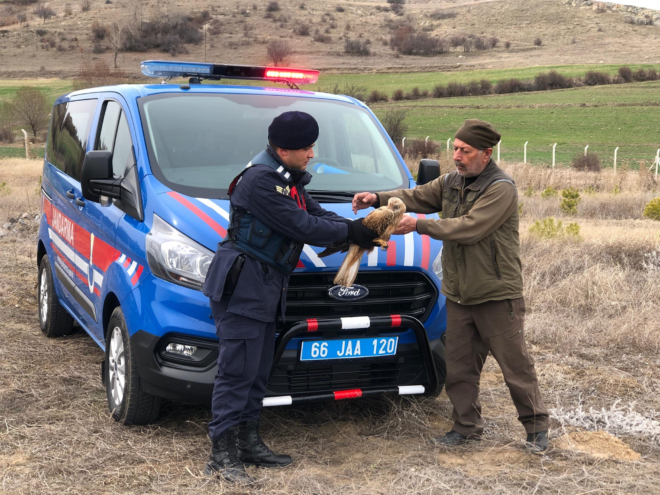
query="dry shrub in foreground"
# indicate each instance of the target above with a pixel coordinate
(602, 292)
(98, 73)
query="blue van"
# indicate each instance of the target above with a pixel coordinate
(134, 203)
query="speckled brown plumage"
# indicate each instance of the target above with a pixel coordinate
(383, 221)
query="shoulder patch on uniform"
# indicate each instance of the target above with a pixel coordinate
(283, 190)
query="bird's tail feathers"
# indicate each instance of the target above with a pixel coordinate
(349, 268)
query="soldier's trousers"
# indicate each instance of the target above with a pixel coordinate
(245, 357)
(472, 331)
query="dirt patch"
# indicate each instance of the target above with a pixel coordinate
(598, 444)
(487, 463)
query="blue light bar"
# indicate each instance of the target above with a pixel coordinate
(159, 68)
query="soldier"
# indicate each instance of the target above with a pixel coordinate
(481, 279)
(272, 218)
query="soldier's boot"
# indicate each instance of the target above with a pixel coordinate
(224, 460)
(537, 442)
(454, 438)
(253, 451)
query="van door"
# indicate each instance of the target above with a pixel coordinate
(65, 151)
(99, 223)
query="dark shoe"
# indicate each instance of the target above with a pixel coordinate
(253, 451)
(224, 460)
(452, 439)
(537, 442)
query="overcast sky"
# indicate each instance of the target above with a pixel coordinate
(649, 4)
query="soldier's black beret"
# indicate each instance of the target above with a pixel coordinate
(293, 130)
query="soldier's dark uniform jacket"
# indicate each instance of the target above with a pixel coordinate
(246, 319)
(266, 193)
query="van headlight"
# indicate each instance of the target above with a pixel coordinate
(175, 257)
(437, 264)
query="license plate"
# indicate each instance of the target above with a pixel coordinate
(348, 348)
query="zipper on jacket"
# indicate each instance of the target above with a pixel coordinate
(510, 308)
(493, 254)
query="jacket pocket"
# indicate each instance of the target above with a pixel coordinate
(258, 234)
(493, 255)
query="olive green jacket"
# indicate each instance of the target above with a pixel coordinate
(479, 230)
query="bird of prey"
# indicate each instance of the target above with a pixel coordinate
(383, 221)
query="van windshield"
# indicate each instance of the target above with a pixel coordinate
(198, 143)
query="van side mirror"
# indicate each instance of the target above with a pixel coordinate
(429, 170)
(97, 179)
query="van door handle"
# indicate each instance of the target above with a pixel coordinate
(70, 195)
(80, 202)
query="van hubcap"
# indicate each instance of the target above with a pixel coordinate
(43, 296)
(117, 366)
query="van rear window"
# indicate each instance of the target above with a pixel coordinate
(198, 143)
(68, 135)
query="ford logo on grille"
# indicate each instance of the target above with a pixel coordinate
(354, 293)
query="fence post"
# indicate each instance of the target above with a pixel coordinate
(448, 146)
(657, 162)
(525, 158)
(615, 152)
(426, 140)
(585, 150)
(27, 145)
(403, 143)
(498, 151)
(553, 154)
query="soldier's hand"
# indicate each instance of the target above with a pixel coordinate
(363, 200)
(406, 225)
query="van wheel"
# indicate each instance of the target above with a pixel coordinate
(54, 320)
(128, 403)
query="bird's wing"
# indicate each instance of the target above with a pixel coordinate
(337, 247)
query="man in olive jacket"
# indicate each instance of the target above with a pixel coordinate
(481, 279)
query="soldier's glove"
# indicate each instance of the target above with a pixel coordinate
(361, 235)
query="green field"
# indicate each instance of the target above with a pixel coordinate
(14, 152)
(604, 117)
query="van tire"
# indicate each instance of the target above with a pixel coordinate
(54, 320)
(129, 405)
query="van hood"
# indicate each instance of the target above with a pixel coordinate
(206, 221)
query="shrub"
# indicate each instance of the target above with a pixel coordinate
(593, 78)
(626, 74)
(641, 75)
(356, 47)
(398, 95)
(340, 9)
(456, 89)
(41, 32)
(507, 44)
(590, 190)
(99, 31)
(440, 15)
(394, 122)
(589, 163)
(6, 135)
(529, 192)
(355, 91)
(549, 192)
(272, 7)
(439, 91)
(421, 149)
(538, 42)
(98, 48)
(557, 81)
(44, 12)
(652, 209)
(547, 228)
(396, 2)
(278, 50)
(301, 30)
(421, 44)
(570, 200)
(616, 189)
(86, 5)
(167, 34)
(375, 96)
(573, 230)
(322, 38)
(513, 86)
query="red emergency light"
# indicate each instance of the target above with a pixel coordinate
(298, 76)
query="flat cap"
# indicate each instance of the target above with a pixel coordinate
(478, 134)
(293, 130)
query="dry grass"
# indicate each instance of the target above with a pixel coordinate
(593, 330)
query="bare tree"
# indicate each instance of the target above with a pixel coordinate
(44, 12)
(22, 17)
(32, 109)
(278, 50)
(7, 121)
(116, 37)
(86, 5)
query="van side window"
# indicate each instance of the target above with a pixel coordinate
(114, 135)
(68, 135)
